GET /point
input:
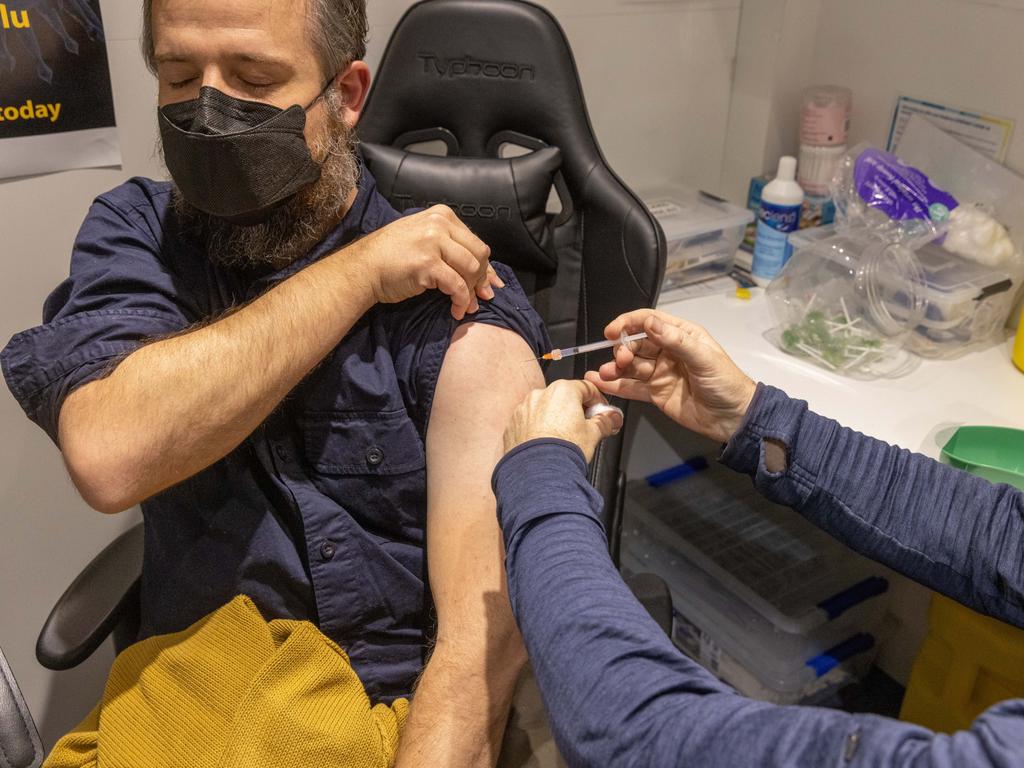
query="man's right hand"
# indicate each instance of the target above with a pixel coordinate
(679, 368)
(429, 249)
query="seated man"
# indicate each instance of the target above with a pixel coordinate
(256, 354)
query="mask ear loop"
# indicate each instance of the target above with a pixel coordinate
(322, 94)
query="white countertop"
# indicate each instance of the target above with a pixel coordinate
(917, 411)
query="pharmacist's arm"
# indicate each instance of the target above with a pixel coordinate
(953, 532)
(618, 692)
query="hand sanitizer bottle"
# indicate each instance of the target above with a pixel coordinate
(779, 214)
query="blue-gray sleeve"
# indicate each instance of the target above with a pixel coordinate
(617, 691)
(955, 533)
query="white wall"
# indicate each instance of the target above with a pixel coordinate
(965, 53)
(657, 79)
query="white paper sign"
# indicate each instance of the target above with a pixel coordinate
(987, 134)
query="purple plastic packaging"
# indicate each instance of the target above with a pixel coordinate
(886, 183)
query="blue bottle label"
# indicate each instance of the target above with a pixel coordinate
(771, 248)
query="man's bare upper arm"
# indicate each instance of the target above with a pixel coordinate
(486, 374)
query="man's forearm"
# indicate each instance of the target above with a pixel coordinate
(462, 702)
(176, 406)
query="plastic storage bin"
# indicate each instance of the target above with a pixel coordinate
(968, 662)
(966, 303)
(702, 233)
(995, 453)
(765, 600)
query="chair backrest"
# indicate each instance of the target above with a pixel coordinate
(480, 75)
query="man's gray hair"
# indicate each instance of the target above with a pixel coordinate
(337, 30)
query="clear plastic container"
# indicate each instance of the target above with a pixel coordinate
(966, 303)
(764, 599)
(848, 303)
(702, 233)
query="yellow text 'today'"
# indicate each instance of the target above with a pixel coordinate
(30, 110)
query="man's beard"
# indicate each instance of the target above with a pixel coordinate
(292, 230)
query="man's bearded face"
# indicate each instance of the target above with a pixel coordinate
(295, 228)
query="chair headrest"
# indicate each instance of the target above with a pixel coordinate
(480, 68)
(502, 200)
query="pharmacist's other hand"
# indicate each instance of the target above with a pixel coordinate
(560, 411)
(679, 368)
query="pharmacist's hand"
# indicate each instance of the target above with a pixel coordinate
(679, 368)
(558, 411)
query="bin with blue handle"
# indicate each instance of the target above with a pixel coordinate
(968, 662)
(764, 599)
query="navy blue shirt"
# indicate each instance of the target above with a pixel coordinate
(320, 514)
(619, 693)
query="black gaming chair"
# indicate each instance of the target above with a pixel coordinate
(480, 76)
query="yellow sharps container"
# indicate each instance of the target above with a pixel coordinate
(968, 662)
(1018, 344)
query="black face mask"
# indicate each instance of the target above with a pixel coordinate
(234, 159)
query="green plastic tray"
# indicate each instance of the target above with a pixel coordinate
(995, 453)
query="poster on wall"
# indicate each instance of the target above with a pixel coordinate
(56, 106)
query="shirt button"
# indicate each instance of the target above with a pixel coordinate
(281, 451)
(374, 455)
(327, 550)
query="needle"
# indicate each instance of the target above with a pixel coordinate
(558, 354)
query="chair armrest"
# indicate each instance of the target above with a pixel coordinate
(20, 746)
(92, 606)
(653, 594)
(606, 475)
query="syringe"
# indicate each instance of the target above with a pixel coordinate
(558, 354)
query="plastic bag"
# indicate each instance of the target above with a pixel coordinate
(877, 191)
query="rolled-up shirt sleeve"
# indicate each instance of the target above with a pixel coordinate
(421, 340)
(119, 294)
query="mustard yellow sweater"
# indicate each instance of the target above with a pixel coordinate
(234, 690)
